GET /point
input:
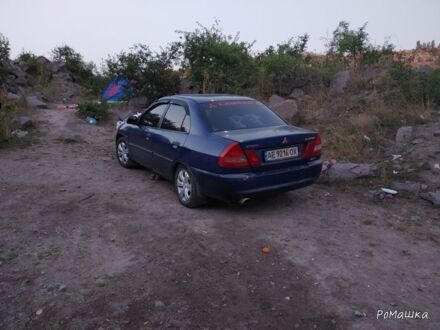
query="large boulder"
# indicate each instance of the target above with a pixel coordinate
(339, 82)
(274, 100)
(350, 171)
(35, 103)
(433, 197)
(21, 123)
(139, 102)
(403, 136)
(13, 97)
(296, 93)
(408, 186)
(287, 109)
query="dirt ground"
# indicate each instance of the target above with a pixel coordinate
(87, 244)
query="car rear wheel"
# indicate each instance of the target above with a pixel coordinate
(123, 154)
(187, 188)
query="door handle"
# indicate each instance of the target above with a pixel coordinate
(175, 144)
(147, 136)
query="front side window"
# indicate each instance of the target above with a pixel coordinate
(242, 114)
(174, 118)
(152, 117)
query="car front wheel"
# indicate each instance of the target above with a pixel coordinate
(187, 188)
(123, 154)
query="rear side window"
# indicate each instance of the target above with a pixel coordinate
(174, 118)
(233, 115)
(152, 117)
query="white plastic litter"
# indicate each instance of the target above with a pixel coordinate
(389, 191)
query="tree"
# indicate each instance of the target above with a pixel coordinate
(348, 43)
(217, 62)
(4, 56)
(283, 68)
(152, 73)
(83, 73)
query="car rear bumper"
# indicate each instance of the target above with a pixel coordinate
(232, 187)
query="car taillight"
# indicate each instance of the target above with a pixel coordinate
(234, 156)
(253, 157)
(313, 148)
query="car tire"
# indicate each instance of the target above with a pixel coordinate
(123, 155)
(187, 188)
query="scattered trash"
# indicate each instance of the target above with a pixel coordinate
(39, 312)
(396, 157)
(72, 106)
(389, 191)
(91, 120)
(437, 166)
(265, 249)
(395, 172)
(367, 138)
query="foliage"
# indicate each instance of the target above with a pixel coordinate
(85, 74)
(151, 73)
(380, 54)
(98, 111)
(287, 67)
(417, 86)
(4, 57)
(217, 62)
(348, 43)
(41, 75)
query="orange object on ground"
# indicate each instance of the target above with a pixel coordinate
(265, 250)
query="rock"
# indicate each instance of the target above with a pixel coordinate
(287, 109)
(339, 82)
(19, 133)
(274, 100)
(21, 123)
(100, 282)
(359, 314)
(404, 136)
(19, 76)
(13, 97)
(35, 103)
(350, 171)
(364, 120)
(418, 141)
(186, 87)
(159, 304)
(70, 137)
(296, 93)
(139, 102)
(62, 287)
(407, 186)
(433, 197)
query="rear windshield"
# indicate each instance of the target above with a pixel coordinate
(233, 115)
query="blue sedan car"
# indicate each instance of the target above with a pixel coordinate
(219, 146)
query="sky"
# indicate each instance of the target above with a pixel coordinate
(96, 28)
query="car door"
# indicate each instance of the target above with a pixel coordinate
(141, 139)
(168, 143)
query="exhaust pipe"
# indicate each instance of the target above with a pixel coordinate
(244, 200)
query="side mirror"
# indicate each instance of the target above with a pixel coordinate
(133, 120)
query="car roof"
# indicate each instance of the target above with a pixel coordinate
(204, 98)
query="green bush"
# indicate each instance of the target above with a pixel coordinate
(4, 57)
(98, 111)
(217, 63)
(85, 74)
(41, 75)
(152, 73)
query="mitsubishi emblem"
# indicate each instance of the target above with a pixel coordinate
(285, 141)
